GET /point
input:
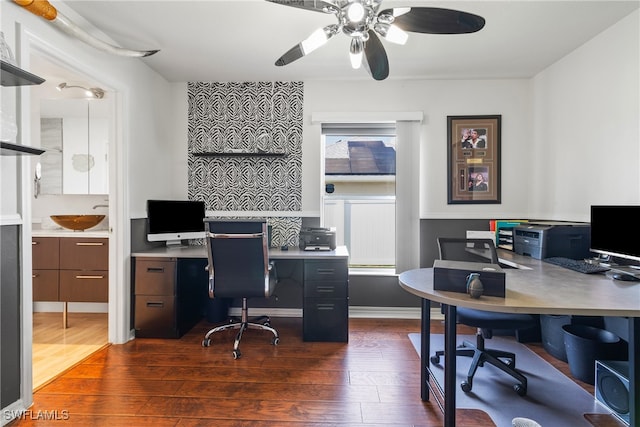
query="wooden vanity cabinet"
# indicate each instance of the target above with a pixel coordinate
(45, 260)
(84, 269)
(70, 269)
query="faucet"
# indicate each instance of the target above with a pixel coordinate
(100, 206)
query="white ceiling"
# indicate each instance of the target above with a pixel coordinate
(239, 40)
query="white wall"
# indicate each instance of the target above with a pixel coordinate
(586, 135)
(437, 99)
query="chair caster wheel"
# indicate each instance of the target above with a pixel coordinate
(435, 360)
(275, 341)
(522, 391)
(206, 342)
(465, 386)
(236, 354)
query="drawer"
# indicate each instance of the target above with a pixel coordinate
(325, 320)
(326, 270)
(45, 253)
(155, 276)
(326, 289)
(84, 253)
(45, 285)
(84, 286)
(155, 316)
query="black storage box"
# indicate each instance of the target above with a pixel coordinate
(452, 276)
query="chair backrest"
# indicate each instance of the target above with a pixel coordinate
(238, 258)
(472, 250)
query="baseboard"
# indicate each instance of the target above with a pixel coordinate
(73, 307)
(271, 312)
(354, 312)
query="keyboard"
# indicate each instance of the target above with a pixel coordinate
(576, 265)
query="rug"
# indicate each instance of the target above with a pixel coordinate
(552, 399)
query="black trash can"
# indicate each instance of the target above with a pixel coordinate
(217, 310)
(552, 333)
(585, 344)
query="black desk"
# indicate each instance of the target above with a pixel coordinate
(170, 283)
(534, 287)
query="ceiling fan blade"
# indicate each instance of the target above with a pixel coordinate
(318, 38)
(315, 5)
(434, 20)
(376, 58)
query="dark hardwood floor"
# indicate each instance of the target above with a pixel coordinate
(372, 380)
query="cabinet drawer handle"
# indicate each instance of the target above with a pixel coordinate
(89, 244)
(155, 269)
(35, 243)
(325, 271)
(33, 276)
(89, 277)
(155, 304)
(325, 307)
(326, 289)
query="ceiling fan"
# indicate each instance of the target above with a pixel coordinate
(363, 22)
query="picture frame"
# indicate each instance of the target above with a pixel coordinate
(473, 159)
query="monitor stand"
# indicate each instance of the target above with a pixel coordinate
(174, 244)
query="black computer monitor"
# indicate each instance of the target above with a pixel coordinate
(172, 221)
(615, 233)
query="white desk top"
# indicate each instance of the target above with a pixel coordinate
(542, 288)
(274, 253)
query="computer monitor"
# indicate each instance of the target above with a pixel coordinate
(172, 221)
(615, 233)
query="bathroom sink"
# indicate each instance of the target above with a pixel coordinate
(77, 222)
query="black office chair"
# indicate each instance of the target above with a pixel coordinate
(239, 267)
(483, 250)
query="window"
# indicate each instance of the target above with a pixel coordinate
(359, 201)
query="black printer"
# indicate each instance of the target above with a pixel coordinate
(553, 239)
(317, 239)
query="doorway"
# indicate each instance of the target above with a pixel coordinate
(59, 343)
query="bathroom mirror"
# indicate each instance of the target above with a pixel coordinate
(75, 135)
(72, 120)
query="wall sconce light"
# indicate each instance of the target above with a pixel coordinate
(94, 92)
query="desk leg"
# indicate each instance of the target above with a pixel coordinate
(634, 372)
(425, 342)
(449, 365)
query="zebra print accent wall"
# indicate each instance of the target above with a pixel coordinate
(251, 117)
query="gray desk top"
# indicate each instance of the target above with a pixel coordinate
(274, 253)
(539, 288)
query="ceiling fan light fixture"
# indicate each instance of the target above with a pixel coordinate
(399, 11)
(391, 33)
(355, 12)
(356, 51)
(318, 38)
(365, 23)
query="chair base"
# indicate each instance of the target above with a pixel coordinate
(503, 360)
(244, 323)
